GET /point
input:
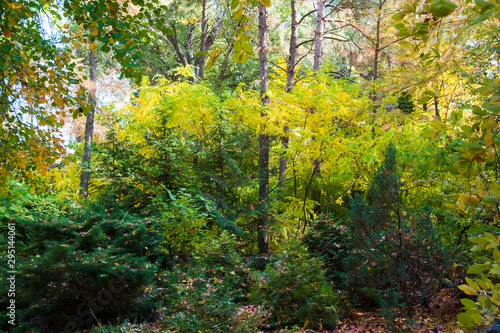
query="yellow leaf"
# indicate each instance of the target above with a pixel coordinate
(95, 31)
(467, 289)
(468, 198)
(15, 5)
(12, 21)
(488, 138)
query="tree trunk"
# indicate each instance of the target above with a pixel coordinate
(173, 39)
(263, 138)
(318, 53)
(203, 41)
(377, 51)
(290, 75)
(292, 60)
(318, 35)
(89, 129)
(436, 108)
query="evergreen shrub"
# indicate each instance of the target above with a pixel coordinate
(74, 270)
(397, 257)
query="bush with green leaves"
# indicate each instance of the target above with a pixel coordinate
(85, 266)
(23, 201)
(293, 287)
(183, 222)
(396, 256)
(328, 238)
(208, 294)
(484, 308)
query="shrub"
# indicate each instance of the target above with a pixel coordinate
(207, 295)
(484, 309)
(328, 239)
(183, 223)
(76, 269)
(294, 289)
(396, 254)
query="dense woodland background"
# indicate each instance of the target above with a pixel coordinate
(247, 165)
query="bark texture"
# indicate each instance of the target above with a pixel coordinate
(263, 224)
(89, 129)
(290, 75)
(318, 34)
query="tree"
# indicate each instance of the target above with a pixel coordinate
(318, 34)
(36, 80)
(263, 222)
(89, 128)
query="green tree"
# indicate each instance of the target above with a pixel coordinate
(36, 83)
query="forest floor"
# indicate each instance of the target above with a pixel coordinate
(359, 321)
(374, 322)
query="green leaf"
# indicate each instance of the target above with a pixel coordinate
(456, 116)
(400, 26)
(240, 56)
(407, 46)
(482, 18)
(468, 303)
(466, 128)
(442, 8)
(474, 148)
(489, 199)
(170, 31)
(478, 240)
(490, 237)
(493, 107)
(466, 320)
(430, 133)
(237, 45)
(495, 270)
(247, 47)
(477, 269)
(202, 53)
(438, 124)
(478, 111)
(424, 99)
(234, 4)
(398, 16)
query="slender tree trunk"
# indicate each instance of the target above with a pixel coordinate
(188, 43)
(89, 129)
(318, 34)
(318, 53)
(292, 60)
(377, 51)
(262, 226)
(290, 75)
(203, 41)
(436, 108)
(173, 39)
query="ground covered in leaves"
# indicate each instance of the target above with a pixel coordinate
(427, 321)
(375, 322)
